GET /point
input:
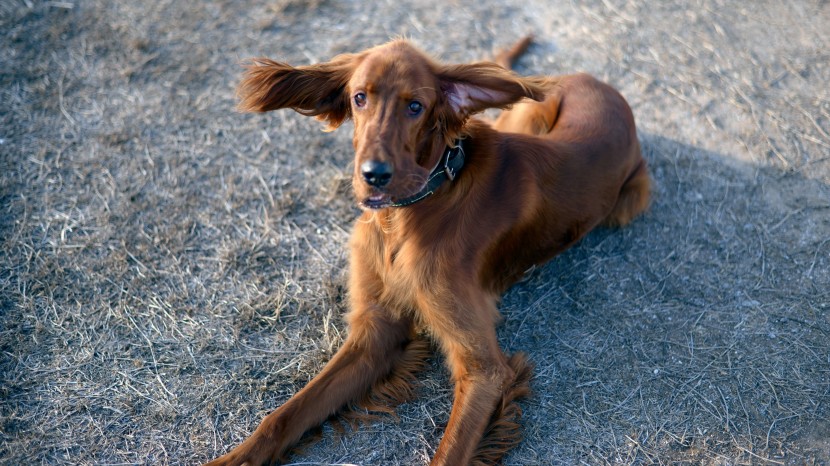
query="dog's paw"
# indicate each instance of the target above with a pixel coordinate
(254, 451)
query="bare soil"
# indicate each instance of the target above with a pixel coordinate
(171, 270)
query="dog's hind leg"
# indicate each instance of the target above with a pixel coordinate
(633, 199)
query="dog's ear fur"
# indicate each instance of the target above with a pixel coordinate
(472, 88)
(313, 90)
(476, 87)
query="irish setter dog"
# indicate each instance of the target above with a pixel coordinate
(455, 210)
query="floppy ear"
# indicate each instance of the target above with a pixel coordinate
(473, 88)
(314, 90)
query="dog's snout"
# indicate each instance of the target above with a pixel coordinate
(376, 173)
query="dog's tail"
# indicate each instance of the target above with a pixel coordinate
(507, 57)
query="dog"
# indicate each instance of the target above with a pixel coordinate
(455, 209)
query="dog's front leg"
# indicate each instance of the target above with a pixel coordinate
(476, 395)
(374, 344)
(480, 369)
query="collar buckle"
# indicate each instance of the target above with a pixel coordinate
(449, 169)
(446, 169)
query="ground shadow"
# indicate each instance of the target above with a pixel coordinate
(698, 332)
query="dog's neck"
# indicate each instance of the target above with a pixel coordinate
(447, 168)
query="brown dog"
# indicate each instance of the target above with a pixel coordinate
(455, 211)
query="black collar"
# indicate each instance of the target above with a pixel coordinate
(447, 169)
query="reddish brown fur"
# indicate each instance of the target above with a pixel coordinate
(536, 181)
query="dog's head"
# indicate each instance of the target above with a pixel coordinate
(406, 108)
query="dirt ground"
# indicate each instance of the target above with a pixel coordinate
(171, 270)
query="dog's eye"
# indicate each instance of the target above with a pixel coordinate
(414, 108)
(360, 99)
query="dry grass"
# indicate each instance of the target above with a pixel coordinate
(170, 270)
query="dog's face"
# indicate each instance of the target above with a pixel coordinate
(406, 108)
(393, 94)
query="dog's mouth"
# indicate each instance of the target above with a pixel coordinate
(376, 202)
(377, 199)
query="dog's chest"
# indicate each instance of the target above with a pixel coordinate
(411, 273)
(406, 270)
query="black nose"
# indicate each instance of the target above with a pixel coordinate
(376, 173)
